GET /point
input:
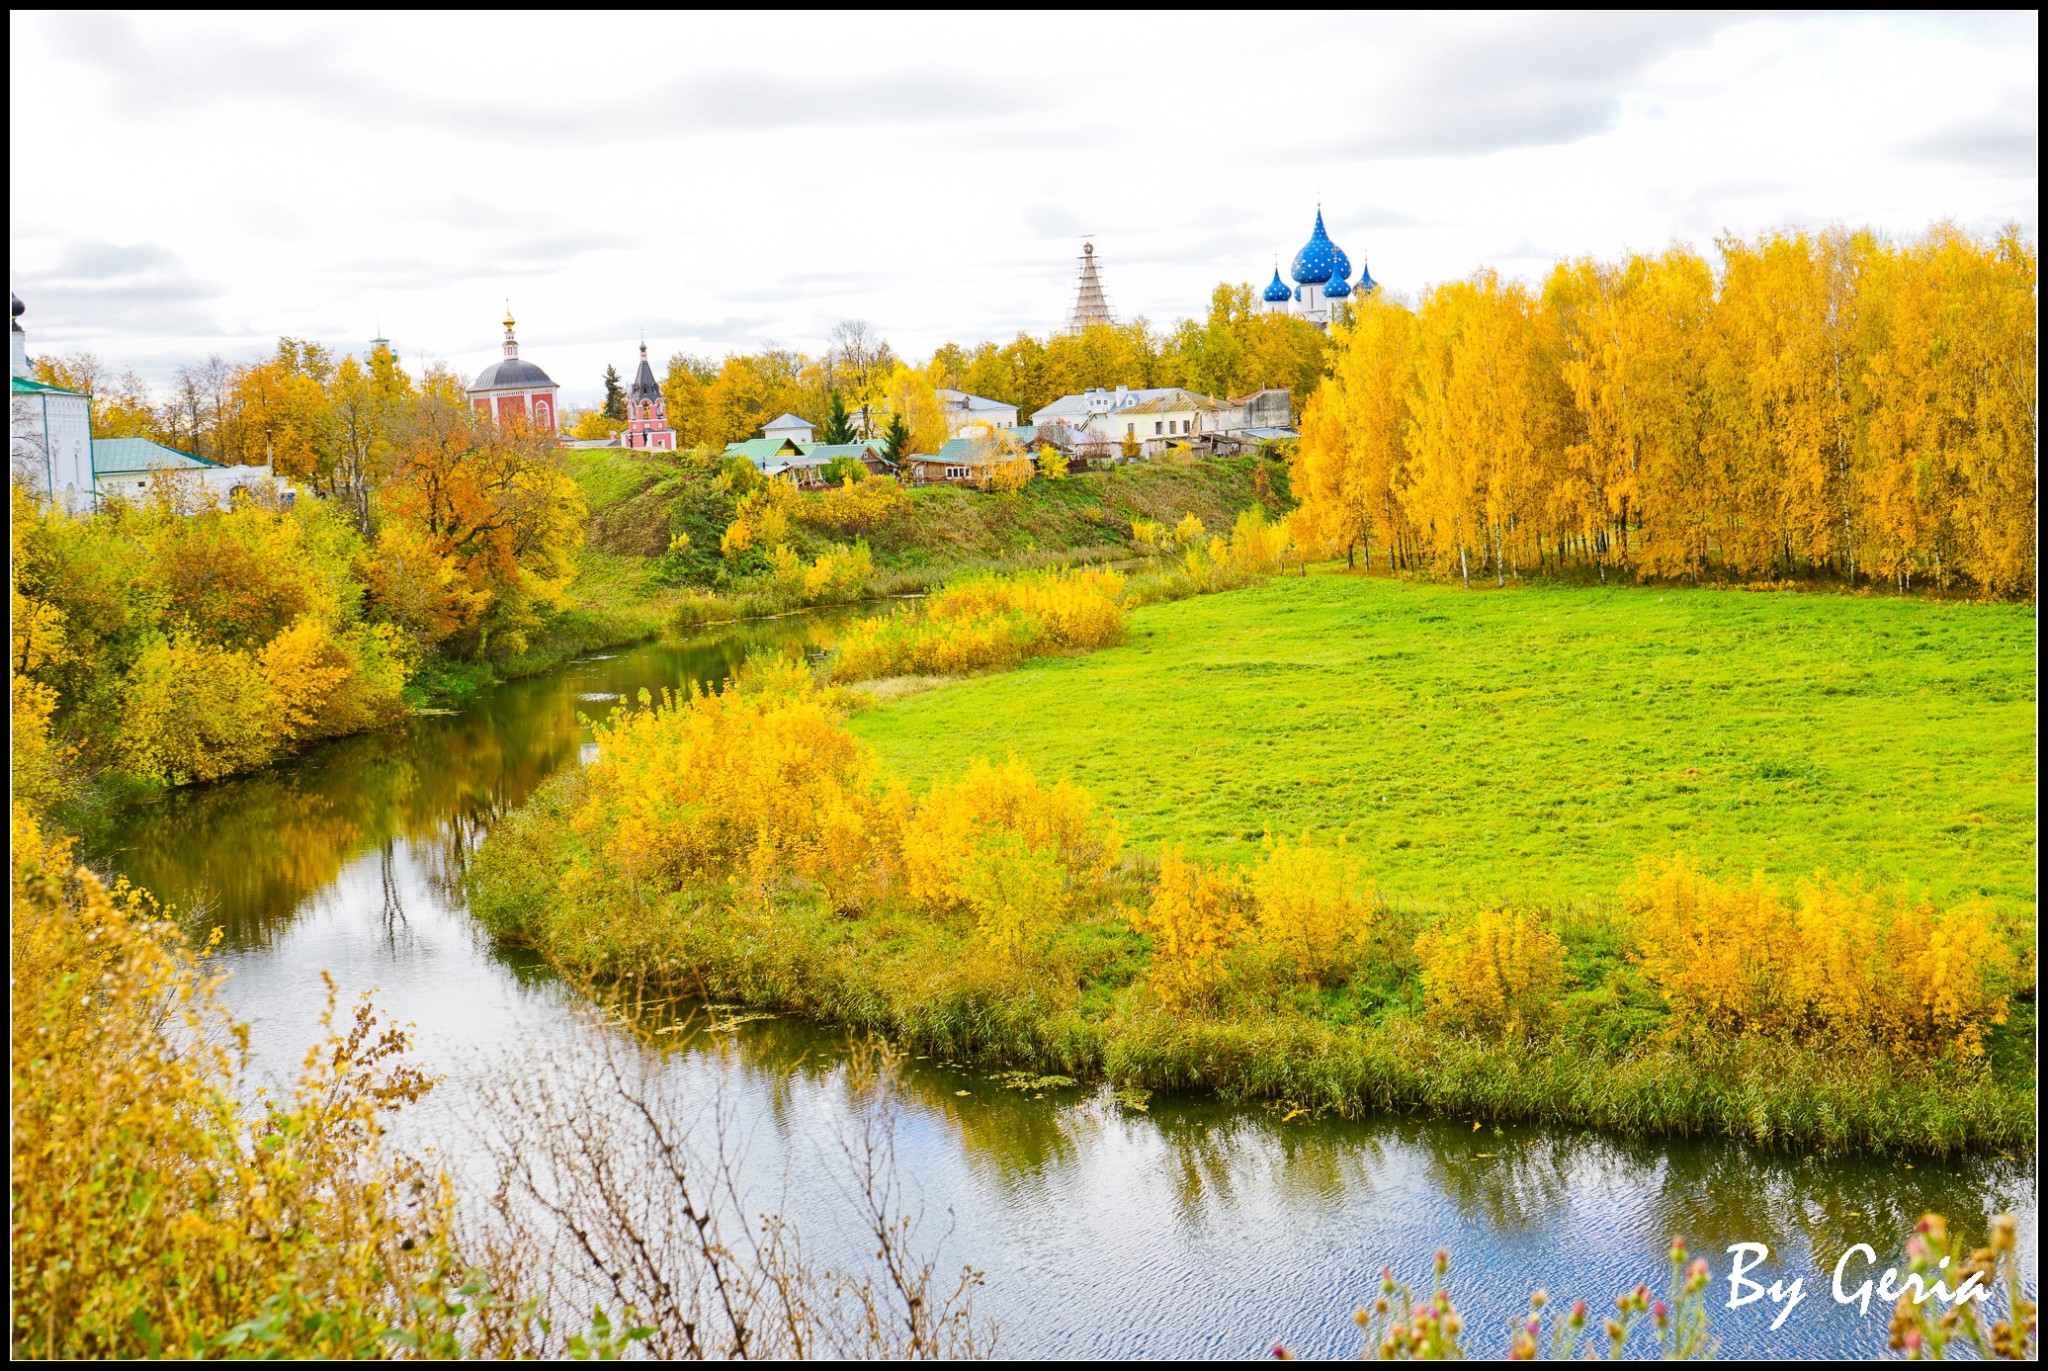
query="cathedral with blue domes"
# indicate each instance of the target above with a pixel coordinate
(1320, 271)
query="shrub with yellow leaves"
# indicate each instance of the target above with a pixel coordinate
(1011, 474)
(908, 643)
(1314, 906)
(1018, 893)
(838, 573)
(987, 622)
(1946, 980)
(761, 518)
(1076, 609)
(1010, 849)
(150, 1214)
(305, 669)
(689, 790)
(1496, 973)
(1255, 547)
(1721, 953)
(854, 506)
(1842, 963)
(1194, 920)
(787, 567)
(835, 575)
(41, 765)
(194, 712)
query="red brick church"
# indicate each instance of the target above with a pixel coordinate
(513, 391)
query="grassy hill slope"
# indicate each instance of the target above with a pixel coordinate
(638, 502)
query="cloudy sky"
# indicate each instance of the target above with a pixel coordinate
(183, 186)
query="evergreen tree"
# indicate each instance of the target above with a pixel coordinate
(838, 428)
(896, 440)
(614, 395)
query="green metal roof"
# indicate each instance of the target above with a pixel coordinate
(24, 385)
(964, 452)
(758, 450)
(119, 456)
(830, 450)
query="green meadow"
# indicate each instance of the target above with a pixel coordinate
(1531, 744)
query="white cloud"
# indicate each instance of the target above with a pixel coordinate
(183, 184)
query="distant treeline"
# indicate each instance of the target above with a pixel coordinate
(1830, 405)
(1238, 348)
(291, 407)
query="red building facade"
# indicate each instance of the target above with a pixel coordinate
(515, 392)
(647, 412)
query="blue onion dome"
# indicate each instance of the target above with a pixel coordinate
(1278, 293)
(1365, 282)
(1319, 259)
(1337, 289)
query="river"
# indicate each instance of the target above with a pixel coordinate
(1192, 1229)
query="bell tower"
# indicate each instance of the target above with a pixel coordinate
(647, 412)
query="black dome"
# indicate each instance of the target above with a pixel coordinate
(509, 373)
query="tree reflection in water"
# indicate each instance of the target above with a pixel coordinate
(253, 851)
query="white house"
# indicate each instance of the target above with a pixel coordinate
(788, 426)
(130, 467)
(1176, 417)
(964, 411)
(1153, 419)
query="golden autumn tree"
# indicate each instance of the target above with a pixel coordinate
(280, 408)
(493, 505)
(355, 438)
(1629, 339)
(1485, 406)
(1835, 405)
(1782, 401)
(1345, 469)
(910, 395)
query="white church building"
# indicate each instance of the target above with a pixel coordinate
(49, 430)
(52, 452)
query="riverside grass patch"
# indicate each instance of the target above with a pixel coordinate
(1533, 744)
(746, 846)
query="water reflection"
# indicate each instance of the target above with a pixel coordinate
(246, 854)
(1196, 1228)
